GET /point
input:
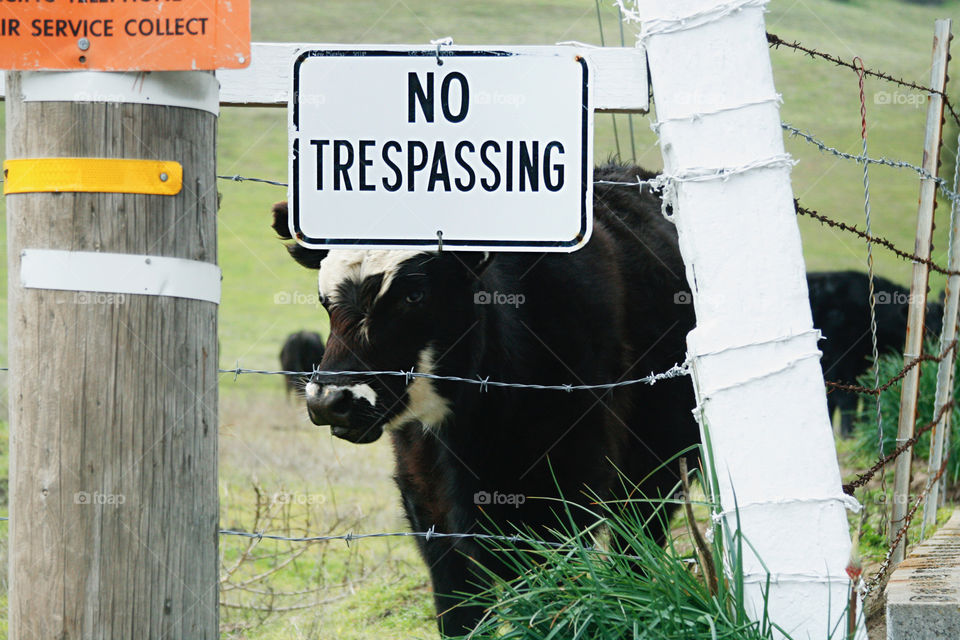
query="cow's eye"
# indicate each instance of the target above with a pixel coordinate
(414, 297)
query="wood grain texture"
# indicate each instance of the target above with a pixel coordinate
(112, 400)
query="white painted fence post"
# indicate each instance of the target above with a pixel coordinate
(754, 354)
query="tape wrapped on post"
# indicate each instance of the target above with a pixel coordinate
(189, 89)
(119, 273)
(92, 175)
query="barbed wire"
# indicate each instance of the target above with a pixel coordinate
(776, 41)
(426, 535)
(923, 357)
(676, 371)
(239, 178)
(872, 584)
(865, 477)
(880, 240)
(942, 184)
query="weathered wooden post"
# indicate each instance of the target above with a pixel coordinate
(113, 394)
(110, 183)
(918, 286)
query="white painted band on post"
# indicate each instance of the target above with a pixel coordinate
(119, 273)
(653, 24)
(696, 116)
(668, 180)
(849, 502)
(785, 353)
(706, 393)
(812, 333)
(187, 89)
(780, 578)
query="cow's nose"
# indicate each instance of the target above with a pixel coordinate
(329, 405)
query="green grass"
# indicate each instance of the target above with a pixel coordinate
(265, 438)
(624, 589)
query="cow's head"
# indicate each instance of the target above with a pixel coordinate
(389, 311)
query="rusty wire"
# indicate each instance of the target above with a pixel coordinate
(923, 357)
(865, 477)
(776, 42)
(880, 240)
(907, 519)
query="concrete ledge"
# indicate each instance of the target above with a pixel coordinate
(923, 595)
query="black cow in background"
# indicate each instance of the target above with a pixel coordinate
(302, 351)
(468, 458)
(840, 303)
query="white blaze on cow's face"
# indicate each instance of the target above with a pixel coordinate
(363, 391)
(354, 266)
(383, 316)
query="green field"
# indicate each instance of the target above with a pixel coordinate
(379, 589)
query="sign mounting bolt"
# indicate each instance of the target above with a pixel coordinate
(83, 44)
(163, 177)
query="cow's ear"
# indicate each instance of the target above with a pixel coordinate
(281, 220)
(309, 258)
(474, 263)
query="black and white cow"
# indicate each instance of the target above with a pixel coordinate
(467, 458)
(840, 304)
(301, 351)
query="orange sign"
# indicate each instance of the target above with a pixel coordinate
(124, 35)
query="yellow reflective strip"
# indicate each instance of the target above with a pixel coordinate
(97, 175)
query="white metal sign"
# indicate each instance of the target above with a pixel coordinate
(490, 149)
